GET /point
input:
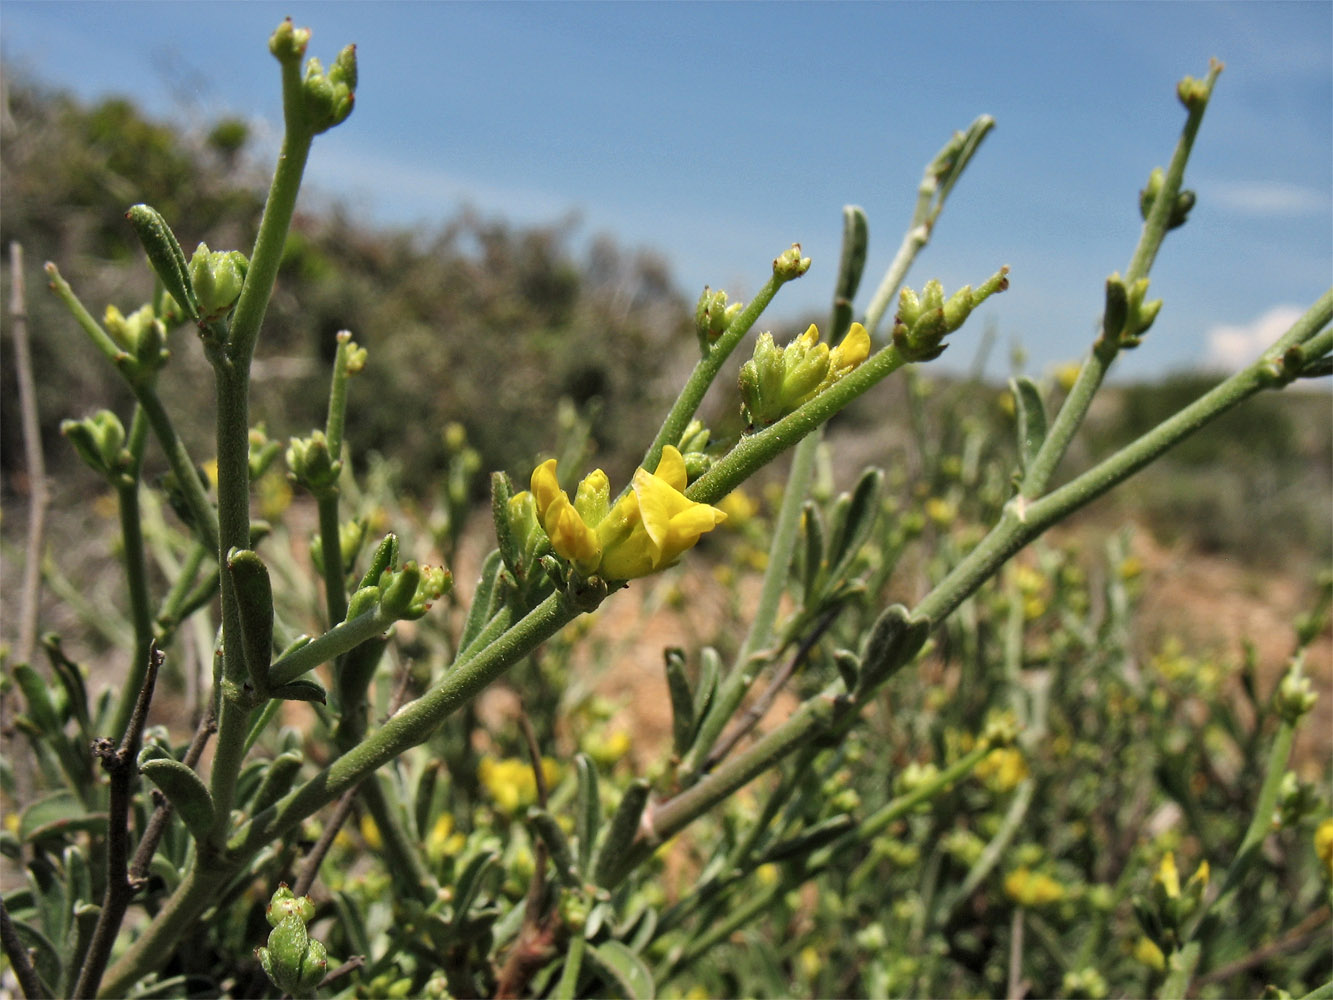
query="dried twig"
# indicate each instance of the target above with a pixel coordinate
(38, 495)
(18, 956)
(121, 763)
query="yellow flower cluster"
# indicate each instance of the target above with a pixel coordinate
(647, 530)
(510, 782)
(1002, 769)
(1028, 888)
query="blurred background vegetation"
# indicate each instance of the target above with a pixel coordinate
(490, 325)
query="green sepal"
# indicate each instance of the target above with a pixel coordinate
(278, 780)
(1116, 310)
(682, 702)
(562, 858)
(1030, 413)
(165, 256)
(300, 690)
(894, 639)
(254, 603)
(186, 792)
(588, 817)
(621, 832)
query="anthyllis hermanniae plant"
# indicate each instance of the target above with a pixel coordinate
(543, 873)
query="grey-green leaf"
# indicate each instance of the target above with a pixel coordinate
(186, 792)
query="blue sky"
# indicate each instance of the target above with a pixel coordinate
(717, 134)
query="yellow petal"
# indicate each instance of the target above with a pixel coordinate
(854, 349)
(671, 469)
(545, 487)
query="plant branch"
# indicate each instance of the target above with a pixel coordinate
(121, 763)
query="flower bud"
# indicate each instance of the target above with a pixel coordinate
(328, 98)
(922, 323)
(1192, 93)
(217, 277)
(712, 315)
(99, 441)
(288, 42)
(311, 464)
(141, 335)
(409, 593)
(789, 264)
(1294, 697)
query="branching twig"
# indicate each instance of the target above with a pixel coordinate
(36, 465)
(756, 712)
(121, 764)
(18, 956)
(310, 868)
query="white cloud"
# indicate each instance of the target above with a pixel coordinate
(1269, 198)
(1233, 347)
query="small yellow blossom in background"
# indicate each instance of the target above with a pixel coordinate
(1130, 568)
(810, 962)
(370, 833)
(211, 472)
(1002, 769)
(1168, 876)
(442, 842)
(739, 507)
(510, 782)
(106, 505)
(607, 748)
(1034, 589)
(275, 494)
(941, 511)
(1147, 953)
(1067, 374)
(1323, 846)
(1031, 889)
(767, 875)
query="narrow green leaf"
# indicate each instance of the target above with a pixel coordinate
(588, 819)
(855, 519)
(165, 255)
(812, 552)
(484, 600)
(623, 969)
(895, 638)
(254, 601)
(186, 792)
(301, 690)
(710, 669)
(621, 831)
(469, 884)
(44, 955)
(40, 706)
(1030, 412)
(682, 702)
(424, 800)
(60, 812)
(278, 780)
(562, 858)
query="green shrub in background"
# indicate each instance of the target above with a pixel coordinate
(1037, 811)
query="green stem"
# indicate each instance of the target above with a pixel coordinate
(342, 638)
(756, 450)
(330, 539)
(696, 387)
(1094, 367)
(937, 182)
(407, 728)
(741, 675)
(136, 572)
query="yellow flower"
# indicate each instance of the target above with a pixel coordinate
(371, 833)
(1149, 954)
(442, 842)
(647, 530)
(1028, 888)
(1168, 876)
(854, 349)
(1002, 769)
(1323, 846)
